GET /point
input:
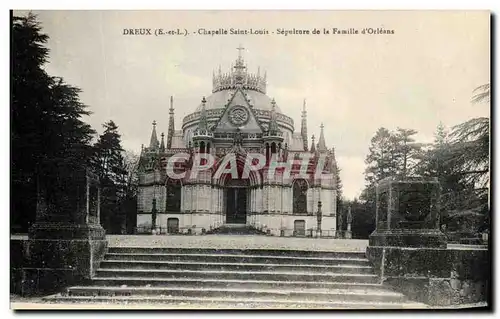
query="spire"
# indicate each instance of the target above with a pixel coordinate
(162, 144)
(240, 63)
(313, 148)
(273, 124)
(239, 68)
(171, 125)
(153, 144)
(303, 128)
(321, 142)
(203, 125)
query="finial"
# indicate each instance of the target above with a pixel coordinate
(162, 135)
(203, 100)
(304, 106)
(154, 122)
(321, 126)
(312, 137)
(171, 103)
(240, 48)
(273, 103)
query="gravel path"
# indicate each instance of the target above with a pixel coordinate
(238, 242)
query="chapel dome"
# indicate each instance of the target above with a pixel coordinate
(257, 99)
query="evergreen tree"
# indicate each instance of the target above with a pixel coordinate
(48, 137)
(391, 154)
(109, 163)
(129, 205)
(382, 158)
(407, 150)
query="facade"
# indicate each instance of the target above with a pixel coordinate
(238, 118)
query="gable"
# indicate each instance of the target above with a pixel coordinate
(238, 114)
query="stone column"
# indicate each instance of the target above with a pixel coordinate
(259, 200)
(66, 242)
(340, 219)
(348, 233)
(319, 217)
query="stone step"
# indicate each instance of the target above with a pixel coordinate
(226, 274)
(294, 260)
(226, 283)
(193, 265)
(246, 252)
(331, 295)
(230, 303)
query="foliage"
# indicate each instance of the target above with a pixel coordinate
(460, 160)
(48, 136)
(109, 163)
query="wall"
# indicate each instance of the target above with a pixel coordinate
(276, 222)
(437, 276)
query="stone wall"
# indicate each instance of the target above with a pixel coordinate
(435, 276)
(40, 267)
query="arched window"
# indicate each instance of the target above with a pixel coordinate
(174, 188)
(202, 147)
(300, 187)
(273, 148)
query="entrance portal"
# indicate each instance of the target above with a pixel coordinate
(236, 205)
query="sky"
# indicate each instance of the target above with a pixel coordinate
(422, 74)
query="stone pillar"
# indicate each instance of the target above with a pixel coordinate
(348, 233)
(319, 217)
(259, 200)
(66, 242)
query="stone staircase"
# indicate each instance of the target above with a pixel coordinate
(230, 278)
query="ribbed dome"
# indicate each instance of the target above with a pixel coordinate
(219, 99)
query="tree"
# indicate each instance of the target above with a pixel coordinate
(407, 151)
(48, 136)
(109, 163)
(363, 219)
(129, 205)
(481, 94)
(338, 181)
(381, 159)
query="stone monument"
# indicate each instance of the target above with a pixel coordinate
(67, 242)
(407, 214)
(410, 252)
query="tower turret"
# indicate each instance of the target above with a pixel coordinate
(171, 125)
(313, 146)
(321, 142)
(202, 135)
(162, 144)
(153, 143)
(303, 128)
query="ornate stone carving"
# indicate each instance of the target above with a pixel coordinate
(238, 115)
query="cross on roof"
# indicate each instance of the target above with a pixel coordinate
(240, 48)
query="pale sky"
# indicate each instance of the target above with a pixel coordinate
(422, 74)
